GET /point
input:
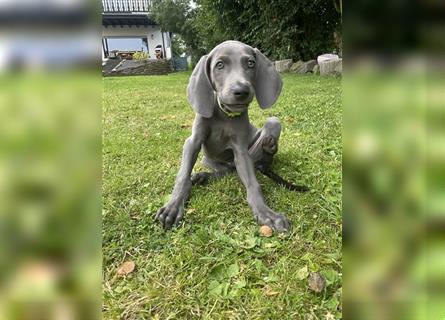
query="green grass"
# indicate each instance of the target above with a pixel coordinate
(215, 265)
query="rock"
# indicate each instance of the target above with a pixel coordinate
(266, 231)
(316, 282)
(306, 67)
(339, 67)
(316, 69)
(295, 66)
(283, 65)
(331, 67)
(326, 57)
(329, 64)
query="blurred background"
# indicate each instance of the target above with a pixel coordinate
(50, 165)
(394, 155)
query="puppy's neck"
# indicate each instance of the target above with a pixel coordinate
(226, 111)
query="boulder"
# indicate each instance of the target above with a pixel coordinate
(283, 65)
(326, 57)
(316, 69)
(331, 66)
(306, 67)
(295, 66)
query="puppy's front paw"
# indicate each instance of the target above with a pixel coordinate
(276, 221)
(170, 215)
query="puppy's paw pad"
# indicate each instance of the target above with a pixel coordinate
(270, 145)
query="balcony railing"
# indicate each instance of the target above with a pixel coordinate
(125, 6)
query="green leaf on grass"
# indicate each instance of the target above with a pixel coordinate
(332, 303)
(302, 273)
(225, 288)
(271, 278)
(259, 266)
(218, 272)
(330, 275)
(215, 288)
(249, 243)
(233, 293)
(241, 283)
(232, 270)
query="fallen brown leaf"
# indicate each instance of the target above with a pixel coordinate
(266, 231)
(126, 268)
(271, 293)
(316, 282)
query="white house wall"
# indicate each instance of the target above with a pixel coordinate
(152, 33)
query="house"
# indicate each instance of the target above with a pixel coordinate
(126, 20)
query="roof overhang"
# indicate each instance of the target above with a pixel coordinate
(130, 19)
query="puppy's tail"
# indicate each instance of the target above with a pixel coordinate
(288, 185)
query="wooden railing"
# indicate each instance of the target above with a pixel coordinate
(125, 6)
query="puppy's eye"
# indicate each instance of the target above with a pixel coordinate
(251, 63)
(219, 65)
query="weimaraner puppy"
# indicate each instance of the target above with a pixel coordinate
(220, 90)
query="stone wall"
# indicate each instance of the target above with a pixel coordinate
(325, 64)
(140, 67)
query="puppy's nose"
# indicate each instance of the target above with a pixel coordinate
(240, 91)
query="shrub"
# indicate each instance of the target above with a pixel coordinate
(140, 55)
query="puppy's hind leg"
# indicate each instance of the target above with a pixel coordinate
(265, 143)
(219, 171)
(263, 148)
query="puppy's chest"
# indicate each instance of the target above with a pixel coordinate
(220, 136)
(223, 134)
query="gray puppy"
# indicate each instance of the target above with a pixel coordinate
(220, 90)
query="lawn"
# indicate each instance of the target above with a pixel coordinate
(215, 265)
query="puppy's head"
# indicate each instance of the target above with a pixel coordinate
(235, 72)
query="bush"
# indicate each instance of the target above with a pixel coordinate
(279, 28)
(140, 55)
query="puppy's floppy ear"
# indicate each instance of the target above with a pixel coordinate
(268, 82)
(200, 90)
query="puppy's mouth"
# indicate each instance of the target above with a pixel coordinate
(234, 107)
